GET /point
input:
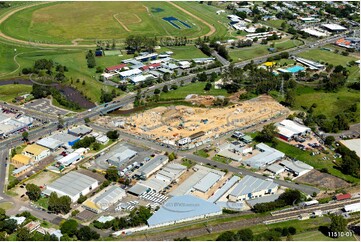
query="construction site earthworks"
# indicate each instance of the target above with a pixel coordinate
(172, 123)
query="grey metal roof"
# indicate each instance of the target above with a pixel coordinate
(123, 154)
(81, 130)
(138, 189)
(297, 166)
(220, 192)
(275, 168)
(263, 199)
(50, 143)
(154, 184)
(182, 208)
(108, 198)
(72, 183)
(207, 182)
(250, 184)
(64, 137)
(20, 169)
(172, 170)
(152, 164)
(266, 157)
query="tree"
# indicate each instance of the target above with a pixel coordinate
(290, 98)
(244, 235)
(90, 59)
(112, 174)
(226, 236)
(59, 204)
(96, 146)
(268, 133)
(87, 120)
(165, 89)
(292, 230)
(338, 223)
(81, 199)
(69, 227)
(33, 192)
(8, 225)
(329, 140)
(23, 234)
(208, 86)
(86, 234)
(113, 135)
(25, 135)
(156, 91)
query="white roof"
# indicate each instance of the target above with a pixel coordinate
(293, 126)
(19, 220)
(229, 154)
(352, 144)
(352, 207)
(50, 143)
(207, 182)
(102, 139)
(130, 72)
(314, 32)
(334, 27)
(250, 184)
(67, 160)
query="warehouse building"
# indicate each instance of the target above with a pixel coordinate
(171, 172)
(225, 188)
(153, 184)
(298, 168)
(50, 143)
(36, 152)
(108, 197)
(152, 166)
(181, 209)
(207, 182)
(123, 155)
(334, 27)
(73, 184)
(186, 187)
(80, 131)
(138, 189)
(267, 156)
(72, 157)
(251, 187)
(275, 169)
(288, 129)
(66, 139)
(9, 125)
(20, 160)
(351, 208)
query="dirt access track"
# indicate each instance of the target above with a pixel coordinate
(74, 42)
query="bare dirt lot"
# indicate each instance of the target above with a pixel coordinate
(176, 122)
(319, 179)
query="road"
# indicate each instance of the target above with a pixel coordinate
(35, 134)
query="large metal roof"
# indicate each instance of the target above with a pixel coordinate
(220, 192)
(122, 155)
(182, 208)
(50, 143)
(207, 182)
(266, 157)
(72, 183)
(152, 164)
(108, 198)
(250, 184)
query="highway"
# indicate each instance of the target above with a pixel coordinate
(35, 134)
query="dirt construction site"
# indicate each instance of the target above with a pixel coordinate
(169, 124)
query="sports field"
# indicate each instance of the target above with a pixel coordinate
(67, 22)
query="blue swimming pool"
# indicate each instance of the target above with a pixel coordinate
(295, 69)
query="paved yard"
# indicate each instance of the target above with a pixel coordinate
(44, 105)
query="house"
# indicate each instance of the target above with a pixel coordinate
(36, 152)
(102, 139)
(32, 226)
(150, 67)
(115, 68)
(184, 64)
(343, 197)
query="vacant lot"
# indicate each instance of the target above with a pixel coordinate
(323, 180)
(184, 52)
(64, 22)
(193, 88)
(9, 92)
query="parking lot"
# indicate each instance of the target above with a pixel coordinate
(44, 105)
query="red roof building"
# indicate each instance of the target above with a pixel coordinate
(115, 68)
(343, 197)
(150, 67)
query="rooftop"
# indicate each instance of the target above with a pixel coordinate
(207, 182)
(220, 192)
(182, 208)
(50, 143)
(21, 159)
(250, 184)
(152, 164)
(35, 149)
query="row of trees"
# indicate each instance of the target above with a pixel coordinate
(350, 163)
(106, 97)
(289, 197)
(70, 231)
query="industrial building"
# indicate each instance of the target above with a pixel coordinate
(50, 143)
(351, 208)
(21, 170)
(152, 166)
(138, 189)
(123, 155)
(207, 182)
(171, 172)
(154, 184)
(251, 187)
(72, 157)
(20, 160)
(66, 139)
(9, 125)
(275, 169)
(188, 185)
(225, 188)
(72, 184)
(80, 131)
(298, 168)
(36, 152)
(334, 27)
(267, 156)
(181, 209)
(288, 129)
(108, 197)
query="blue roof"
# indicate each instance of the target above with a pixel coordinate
(182, 208)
